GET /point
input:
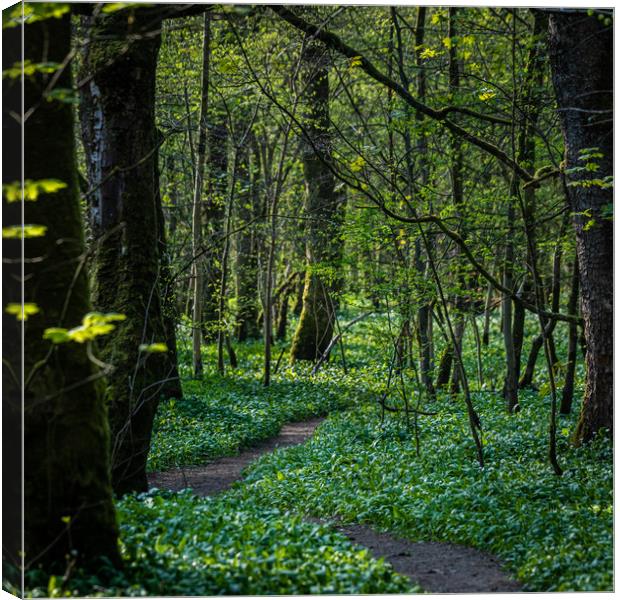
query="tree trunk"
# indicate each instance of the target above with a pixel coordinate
(569, 381)
(487, 316)
(198, 266)
(324, 207)
(246, 267)
(581, 52)
(456, 177)
(67, 495)
(531, 103)
(118, 129)
(445, 366)
(282, 316)
(214, 220)
(172, 388)
(511, 380)
(299, 296)
(422, 163)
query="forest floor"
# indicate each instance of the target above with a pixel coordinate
(351, 506)
(436, 566)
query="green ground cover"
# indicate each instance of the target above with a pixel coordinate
(418, 480)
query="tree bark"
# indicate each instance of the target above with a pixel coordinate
(197, 209)
(68, 504)
(324, 206)
(569, 381)
(118, 129)
(581, 52)
(246, 267)
(172, 388)
(215, 222)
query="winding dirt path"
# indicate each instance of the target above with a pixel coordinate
(220, 474)
(437, 567)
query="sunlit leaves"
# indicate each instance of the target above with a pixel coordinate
(16, 232)
(438, 16)
(32, 12)
(93, 325)
(32, 189)
(428, 53)
(487, 94)
(29, 69)
(153, 348)
(113, 7)
(355, 61)
(22, 312)
(357, 164)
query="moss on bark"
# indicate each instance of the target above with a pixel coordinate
(118, 129)
(325, 207)
(316, 323)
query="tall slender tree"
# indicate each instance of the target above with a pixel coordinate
(197, 203)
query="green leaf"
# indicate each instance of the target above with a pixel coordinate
(355, 61)
(428, 53)
(64, 95)
(33, 12)
(486, 95)
(56, 335)
(13, 191)
(28, 231)
(22, 312)
(116, 6)
(156, 347)
(93, 325)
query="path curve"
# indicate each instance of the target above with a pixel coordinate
(220, 474)
(438, 567)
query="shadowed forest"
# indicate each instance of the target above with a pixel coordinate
(307, 299)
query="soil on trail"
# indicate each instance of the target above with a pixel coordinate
(436, 566)
(220, 474)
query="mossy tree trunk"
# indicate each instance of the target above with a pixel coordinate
(118, 129)
(68, 504)
(325, 209)
(582, 76)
